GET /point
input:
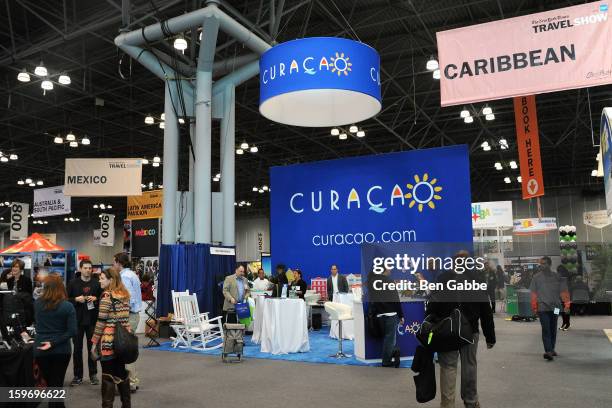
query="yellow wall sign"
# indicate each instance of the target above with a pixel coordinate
(148, 205)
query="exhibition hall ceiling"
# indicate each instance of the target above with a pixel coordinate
(110, 95)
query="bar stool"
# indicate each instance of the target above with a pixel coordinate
(339, 312)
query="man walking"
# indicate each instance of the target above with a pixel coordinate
(336, 283)
(132, 284)
(235, 290)
(547, 291)
(84, 293)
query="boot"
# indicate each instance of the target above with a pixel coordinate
(108, 391)
(125, 393)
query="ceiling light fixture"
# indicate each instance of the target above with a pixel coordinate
(156, 159)
(162, 125)
(239, 151)
(353, 129)
(32, 184)
(95, 206)
(513, 164)
(58, 140)
(255, 189)
(594, 173)
(254, 149)
(432, 64)
(163, 116)
(155, 164)
(28, 180)
(40, 70)
(335, 132)
(343, 136)
(244, 145)
(39, 183)
(4, 159)
(490, 116)
(70, 137)
(468, 119)
(46, 85)
(23, 76)
(180, 43)
(507, 180)
(436, 74)
(145, 161)
(264, 188)
(361, 133)
(85, 141)
(465, 113)
(487, 110)
(20, 182)
(13, 157)
(74, 144)
(498, 166)
(149, 120)
(64, 79)
(519, 179)
(503, 144)
(181, 121)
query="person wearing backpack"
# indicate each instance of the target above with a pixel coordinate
(114, 309)
(474, 307)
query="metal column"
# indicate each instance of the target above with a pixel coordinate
(228, 179)
(170, 175)
(202, 200)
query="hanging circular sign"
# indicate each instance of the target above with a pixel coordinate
(320, 81)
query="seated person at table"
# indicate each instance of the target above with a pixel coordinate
(279, 280)
(235, 290)
(336, 283)
(298, 284)
(261, 283)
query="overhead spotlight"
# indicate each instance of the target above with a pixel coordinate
(235, 203)
(64, 79)
(215, 179)
(163, 116)
(248, 204)
(264, 188)
(181, 121)
(353, 129)
(255, 189)
(20, 182)
(160, 186)
(361, 133)
(598, 157)
(150, 184)
(486, 148)
(39, 183)
(487, 110)
(507, 180)
(32, 184)
(4, 159)
(503, 144)
(464, 113)
(7, 203)
(260, 191)
(519, 179)
(149, 120)
(254, 149)
(335, 132)
(85, 141)
(102, 207)
(28, 180)
(244, 145)
(142, 186)
(432, 64)
(40, 70)
(23, 76)
(13, 157)
(145, 161)
(155, 164)
(343, 136)
(70, 137)
(46, 222)
(162, 125)
(218, 175)
(95, 206)
(77, 219)
(239, 151)
(468, 119)
(513, 164)
(109, 207)
(156, 159)
(74, 144)
(58, 140)
(498, 166)
(46, 85)
(490, 116)
(436, 74)
(180, 43)
(594, 173)
(66, 219)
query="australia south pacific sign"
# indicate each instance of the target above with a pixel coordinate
(550, 51)
(322, 212)
(321, 81)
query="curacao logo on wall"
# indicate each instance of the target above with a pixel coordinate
(419, 195)
(321, 81)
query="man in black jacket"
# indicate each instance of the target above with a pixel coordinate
(475, 306)
(84, 293)
(336, 283)
(385, 305)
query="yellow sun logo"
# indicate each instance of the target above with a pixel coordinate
(341, 64)
(423, 192)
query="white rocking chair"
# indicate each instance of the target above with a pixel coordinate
(201, 332)
(178, 320)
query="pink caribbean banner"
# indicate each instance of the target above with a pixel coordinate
(551, 51)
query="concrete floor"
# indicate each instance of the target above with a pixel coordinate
(511, 375)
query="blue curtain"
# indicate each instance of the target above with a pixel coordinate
(191, 266)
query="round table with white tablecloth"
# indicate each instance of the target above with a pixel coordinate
(258, 318)
(348, 326)
(284, 326)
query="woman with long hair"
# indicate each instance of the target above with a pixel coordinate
(114, 309)
(55, 326)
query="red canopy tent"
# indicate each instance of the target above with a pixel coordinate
(34, 242)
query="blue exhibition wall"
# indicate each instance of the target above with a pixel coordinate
(322, 212)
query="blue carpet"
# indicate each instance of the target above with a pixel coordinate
(321, 347)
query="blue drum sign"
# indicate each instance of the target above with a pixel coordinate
(321, 81)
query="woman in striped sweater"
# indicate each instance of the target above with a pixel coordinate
(114, 308)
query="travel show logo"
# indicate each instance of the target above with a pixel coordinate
(420, 194)
(561, 22)
(339, 64)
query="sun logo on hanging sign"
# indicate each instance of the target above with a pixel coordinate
(423, 192)
(340, 64)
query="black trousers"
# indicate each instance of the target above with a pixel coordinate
(53, 368)
(77, 362)
(566, 318)
(114, 367)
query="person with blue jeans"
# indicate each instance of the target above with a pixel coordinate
(547, 292)
(132, 284)
(385, 305)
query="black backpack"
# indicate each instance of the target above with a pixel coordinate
(445, 334)
(125, 344)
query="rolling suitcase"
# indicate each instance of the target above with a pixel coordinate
(233, 341)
